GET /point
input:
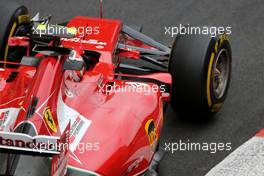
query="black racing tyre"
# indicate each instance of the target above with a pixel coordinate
(12, 17)
(200, 66)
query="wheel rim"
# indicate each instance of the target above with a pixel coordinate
(221, 73)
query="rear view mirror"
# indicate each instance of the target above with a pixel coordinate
(76, 65)
(74, 62)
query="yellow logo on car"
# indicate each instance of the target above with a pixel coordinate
(151, 132)
(50, 120)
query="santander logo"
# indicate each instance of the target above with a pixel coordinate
(90, 41)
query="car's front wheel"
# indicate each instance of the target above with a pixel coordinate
(12, 17)
(201, 68)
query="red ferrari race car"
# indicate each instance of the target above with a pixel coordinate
(86, 97)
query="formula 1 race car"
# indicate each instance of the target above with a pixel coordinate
(86, 97)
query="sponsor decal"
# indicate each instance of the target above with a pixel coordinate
(79, 125)
(7, 118)
(50, 120)
(151, 132)
(3, 117)
(76, 128)
(99, 47)
(24, 142)
(99, 44)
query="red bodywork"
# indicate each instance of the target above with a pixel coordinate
(108, 130)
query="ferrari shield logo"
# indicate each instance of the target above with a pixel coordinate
(50, 120)
(151, 133)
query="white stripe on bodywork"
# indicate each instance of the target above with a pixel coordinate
(44, 103)
(247, 160)
(66, 114)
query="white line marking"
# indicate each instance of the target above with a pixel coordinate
(247, 160)
(45, 101)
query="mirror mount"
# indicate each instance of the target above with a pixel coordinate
(101, 9)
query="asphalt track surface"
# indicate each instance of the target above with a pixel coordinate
(242, 114)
